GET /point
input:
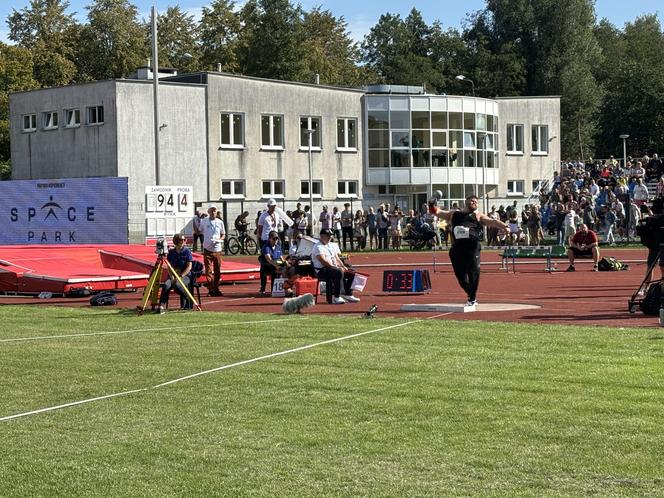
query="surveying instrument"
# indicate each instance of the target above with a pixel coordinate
(151, 292)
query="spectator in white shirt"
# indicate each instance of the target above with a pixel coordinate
(331, 270)
(214, 232)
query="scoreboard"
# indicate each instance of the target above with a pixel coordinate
(168, 210)
(406, 281)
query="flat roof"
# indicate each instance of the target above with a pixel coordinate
(99, 82)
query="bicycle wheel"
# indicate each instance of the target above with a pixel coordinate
(250, 246)
(233, 245)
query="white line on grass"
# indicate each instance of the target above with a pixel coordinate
(154, 329)
(218, 369)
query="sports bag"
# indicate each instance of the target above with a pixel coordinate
(103, 299)
(611, 264)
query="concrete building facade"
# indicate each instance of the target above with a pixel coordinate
(241, 140)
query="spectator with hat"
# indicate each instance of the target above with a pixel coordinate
(347, 225)
(331, 270)
(214, 232)
(269, 221)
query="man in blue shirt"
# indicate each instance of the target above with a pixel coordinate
(271, 260)
(180, 259)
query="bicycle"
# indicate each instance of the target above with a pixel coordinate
(241, 243)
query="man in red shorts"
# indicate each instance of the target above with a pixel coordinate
(583, 243)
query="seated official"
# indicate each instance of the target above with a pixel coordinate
(180, 259)
(583, 243)
(331, 270)
(272, 262)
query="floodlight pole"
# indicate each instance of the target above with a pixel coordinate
(155, 93)
(628, 214)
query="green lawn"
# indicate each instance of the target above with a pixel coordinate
(428, 408)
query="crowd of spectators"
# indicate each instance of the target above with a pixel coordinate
(606, 196)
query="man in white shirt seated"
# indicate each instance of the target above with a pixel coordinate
(330, 268)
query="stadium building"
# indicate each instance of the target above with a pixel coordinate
(239, 140)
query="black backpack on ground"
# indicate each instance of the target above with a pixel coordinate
(104, 299)
(611, 264)
(652, 300)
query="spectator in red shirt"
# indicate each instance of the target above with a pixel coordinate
(583, 243)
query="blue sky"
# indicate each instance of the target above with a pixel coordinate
(362, 15)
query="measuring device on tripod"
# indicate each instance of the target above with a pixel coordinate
(151, 292)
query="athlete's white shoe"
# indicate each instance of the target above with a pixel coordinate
(351, 299)
(338, 300)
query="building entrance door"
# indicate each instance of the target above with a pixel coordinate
(403, 202)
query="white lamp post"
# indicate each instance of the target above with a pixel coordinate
(624, 139)
(461, 77)
(155, 93)
(310, 133)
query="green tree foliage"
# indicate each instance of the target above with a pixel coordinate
(219, 31)
(551, 44)
(112, 44)
(271, 40)
(178, 38)
(400, 50)
(50, 33)
(16, 75)
(633, 76)
(331, 53)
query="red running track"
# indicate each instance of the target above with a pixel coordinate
(580, 298)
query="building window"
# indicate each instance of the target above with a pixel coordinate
(273, 188)
(232, 188)
(232, 129)
(310, 123)
(72, 118)
(316, 188)
(515, 139)
(387, 189)
(95, 115)
(514, 187)
(540, 139)
(272, 131)
(50, 120)
(29, 122)
(347, 134)
(537, 185)
(347, 188)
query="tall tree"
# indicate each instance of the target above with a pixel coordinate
(178, 40)
(16, 75)
(271, 40)
(50, 33)
(554, 43)
(634, 78)
(331, 54)
(113, 42)
(219, 30)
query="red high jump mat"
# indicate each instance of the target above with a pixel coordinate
(61, 269)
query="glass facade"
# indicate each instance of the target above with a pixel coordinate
(407, 132)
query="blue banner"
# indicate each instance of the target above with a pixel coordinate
(64, 211)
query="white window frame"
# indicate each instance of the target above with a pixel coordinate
(271, 194)
(50, 120)
(94, 109)
(513, 129)
(74, 113)
(542, 143)
(272, 146)
(345, 147)
(234, 194)
(514, 192)
(304, 194)
(33, 123)
(231, 131)
(305, 147)
(345, 194)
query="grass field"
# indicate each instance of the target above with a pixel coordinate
(417, 408)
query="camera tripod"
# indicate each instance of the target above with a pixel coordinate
(151, 292)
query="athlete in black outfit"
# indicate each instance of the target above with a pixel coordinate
(466, 229)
